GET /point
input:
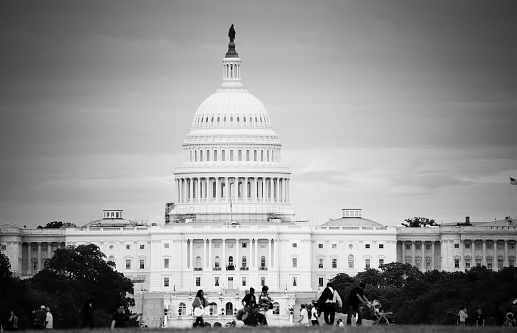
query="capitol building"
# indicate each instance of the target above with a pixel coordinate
(231, 227)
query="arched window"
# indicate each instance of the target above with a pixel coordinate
(238, 119)
(201, 155)
(276, 308)
(190, 156)
(215, 155)
(231, 155)
(244, 119)
(182, 309)
(247, 155)
(230, 261)
(217, 262)
(231, 119)
(198, 262)
(208, 155)
(218, 119)
(229, 309)
(255, 155)
(213, 309)
(206, 120)
(350, 261)
(240, 155)
(263, 261)
(262, 156)
(223, 187)
(240, 190)
(224, 119)
(214, 190)
(267, 155)
(212, 120)
(223, 155)
(195, 155)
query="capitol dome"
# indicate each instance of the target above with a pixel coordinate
(232, 170)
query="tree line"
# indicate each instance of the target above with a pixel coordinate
(64, 284)
(435, 297)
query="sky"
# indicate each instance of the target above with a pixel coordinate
(400, 108)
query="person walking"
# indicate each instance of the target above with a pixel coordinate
(329, 299)
(12, 323)
(120, 317)
(355, 300)
(314, 315)
(304, 316)
(462, 316)
(49, 320)
(199, 305)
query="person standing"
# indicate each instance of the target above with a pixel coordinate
(304, 316)
(49, 320)
(355, 300)
(119, 318)
(480, 318)
(41, 317)
(266, 306)
(463, 316)
(199, 305)
(88, 307)
(12, 323)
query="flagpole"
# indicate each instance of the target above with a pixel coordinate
(510, 196)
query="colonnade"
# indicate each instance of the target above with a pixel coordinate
(209, 260)
(34, 258)
(232, 189)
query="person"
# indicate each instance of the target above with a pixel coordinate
(462, 316)
(304, 316)
(480, 318)
(41, 317)
(249, 300)
(12, 323)
(314, 314)
(510, 319)
(329, 300)
(119, 318)
(200, 302)
(49, 321)
(87, 311)
(340, 323)
(265, 305)
(355, 300)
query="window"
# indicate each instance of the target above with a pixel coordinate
(334, 263)
(128, 247)
(408, 246)
(467, 264)
(381, 246)
(295, 282)
(142, 246)
(511, 262)
(295, 245)
(262, 261)
(216, 263)
(244, 245)
(247, 155)
(182, 309)
(231, 155)
(128, 264)
(198, 262)
(320, 246)
(229, 309)
(488, 245)
(243, 281)
(216, 282)
(215, 155)
(166, 245)
(489, 264)
(166, 282)
(223, 155)
(276, 308)
(350, 261)
(262, 280)
(334, 246)
(320, 282)
(428, 247)
(366, 246)
(418, 246)
(320, 263)
(240, 155)
(478, 262)
(456, 263)
(467, 245)
(367, 263)
(295, 262)
(255, 155)
(511, 246)
(456, 246)
(142, 264)
(198, 281)
(208, 155)
(244, 262)
(166, 263)
(381, 262)
(4, 247)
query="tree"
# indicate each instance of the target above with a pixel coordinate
(57, 225)
(73, 273)
(5, 267)
(418, 222)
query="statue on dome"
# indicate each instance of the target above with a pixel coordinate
(231, 34)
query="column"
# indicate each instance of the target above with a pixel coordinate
(227, 189)
(462, 260)
(254, 189)
(432, 255)
(198, 190)
(505, 262)
(245, 187)
(288, 182)
(184, 190)
(253, 251)
(413, 253)
(271, 253)
(483, 260)
(49, 249)
(237, 259)
(422, 256)
(39, 256)
(403, 252)
(223, 259)
(189, 254)
(210, 253)
(217, 189)
(203, 258)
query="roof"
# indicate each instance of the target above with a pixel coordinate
(352, 222)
